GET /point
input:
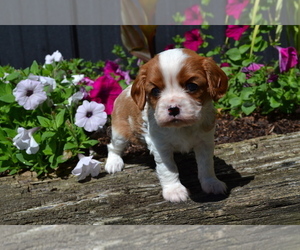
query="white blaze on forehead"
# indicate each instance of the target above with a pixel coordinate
(171, 62)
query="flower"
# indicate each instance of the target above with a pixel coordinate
(77, 78)
(225, 64)
(193, 39)
(236, 31)
(75, 98)
(90, 116)
(55, 57)
(252, 67)
(4, 76)
(46, 81)
(113, 70)
(170, 46)
(86, 166)
(193, 15)
(29, 94)
(105, 90)
(287, 58)
(235, 7)
(24, 140)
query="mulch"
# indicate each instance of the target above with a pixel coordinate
(230, 129)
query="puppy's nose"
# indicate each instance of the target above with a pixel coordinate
(174, 111)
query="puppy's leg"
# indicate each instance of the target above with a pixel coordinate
(168, 175)
(204, 155)
(114, 162)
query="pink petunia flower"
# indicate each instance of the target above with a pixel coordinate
(236, 31)
(193, 39)
(225, 64)
(170, 46)
(193, 15)
(112, 69)
(235, 7)
(252, 67)
(105, 90)
(288, 58)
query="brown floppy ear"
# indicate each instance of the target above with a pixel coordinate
(216, 78)
(138, 92)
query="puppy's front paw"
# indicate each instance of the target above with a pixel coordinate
(175, 193)
(213, 185)
(114, 164)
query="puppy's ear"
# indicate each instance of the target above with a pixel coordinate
(216, 78)
(138, 92)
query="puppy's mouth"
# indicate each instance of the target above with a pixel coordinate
(176, 122)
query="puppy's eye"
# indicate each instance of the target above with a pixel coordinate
(155, 92)
(191, 87)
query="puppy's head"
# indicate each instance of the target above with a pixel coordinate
(177, 84)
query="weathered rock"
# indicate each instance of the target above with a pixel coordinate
(262, 174)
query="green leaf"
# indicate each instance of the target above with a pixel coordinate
(13, 76)
(244, 48)
(34, 69)
(59, 119)
(47, 134)
(89, 143)
(70, 145)
(46, 123)
(21, 158)
(236, 101)
(274, 103)
(248, 107)
(234, 54)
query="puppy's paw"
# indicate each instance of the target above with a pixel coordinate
(175, 193)
(114, 164)
(213, 185)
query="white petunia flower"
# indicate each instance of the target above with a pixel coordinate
(29, 94)
(77, 78)
(24, 140)
(75, 98)
(90, 116)
(3, 78)
(55, 57)
(86, 166)
(46, 81)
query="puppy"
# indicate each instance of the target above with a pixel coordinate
(170, 107)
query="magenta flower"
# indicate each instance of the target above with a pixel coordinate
(193, 39)
(113, 70)
(105, 90)
(170, 46)
(288, 58)
(252, 67)
(193, 16)
(236, 31)
(235, 7)
(225, 64)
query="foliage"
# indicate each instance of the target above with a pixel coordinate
(51, 125)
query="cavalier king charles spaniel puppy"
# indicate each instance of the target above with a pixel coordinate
(170, 108)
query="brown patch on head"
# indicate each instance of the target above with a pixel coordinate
(148, 84)
(212, 82)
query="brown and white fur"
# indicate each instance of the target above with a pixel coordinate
(170, 107)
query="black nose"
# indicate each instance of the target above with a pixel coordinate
(174, 111)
